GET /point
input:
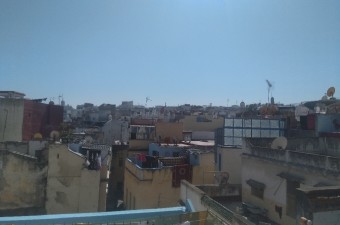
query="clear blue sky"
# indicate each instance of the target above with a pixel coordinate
(174, 51)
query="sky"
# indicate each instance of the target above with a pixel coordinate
(173, 51)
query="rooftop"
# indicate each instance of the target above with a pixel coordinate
(11, 94)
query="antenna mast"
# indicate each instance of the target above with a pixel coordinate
(146, 100)
(269, 88)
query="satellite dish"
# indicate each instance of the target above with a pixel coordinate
(223, 179)
(324, 98)
(279, 143)
(37, 136)
(330, 91)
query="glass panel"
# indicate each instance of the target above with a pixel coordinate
(228, 132)
(238, 133)
(256, 123)
(228, 141)
(247, 132)
(247, 123)
(282, 133)
(274, 133)
(264, 123)
(274, 123)
(256, 133)
(229, 122)
(237, 122)
(282, 124)
(238, 141)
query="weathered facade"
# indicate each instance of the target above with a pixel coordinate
(22, 183)
(72, 186)
(115, 130)
(169, 132)
(11, 119)
(271, 178)
(156, 183)
(116, 179)
(40, 118)
(228, 159)
(191, 123)
(22, 118)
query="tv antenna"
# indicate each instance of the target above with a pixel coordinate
(269, 88)
(60, 97)
(147, 99)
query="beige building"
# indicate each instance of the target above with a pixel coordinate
(116, 179)
(273, 179)
(192, 123)
(156, 183)
(74, 183)
(169, 131)
(228, 159)
(22, 183)
(11, 119)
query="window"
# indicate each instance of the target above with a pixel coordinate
(257, 188)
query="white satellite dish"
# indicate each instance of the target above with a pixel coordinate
(279, 143)
(222, 179)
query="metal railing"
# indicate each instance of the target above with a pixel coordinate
(223, 214)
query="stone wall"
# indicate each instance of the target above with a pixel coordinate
(22, 182)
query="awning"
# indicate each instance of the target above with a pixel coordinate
(291, 177)
(255, 184)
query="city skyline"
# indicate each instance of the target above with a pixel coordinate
(174, 52)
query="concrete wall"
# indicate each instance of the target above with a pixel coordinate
(275, 192)
(40, 118)
(139, 144)
(190, 124)
(36, 145)
(115, 130)
(149, 188)
(116, 182)
(22, 182)
(15, 146)
(202, 173)
(326, 218)
(11, 119)
(189, 191)
(152, 188)
(203, 135)
(71, 187)
(169, 130)
(231, 163)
